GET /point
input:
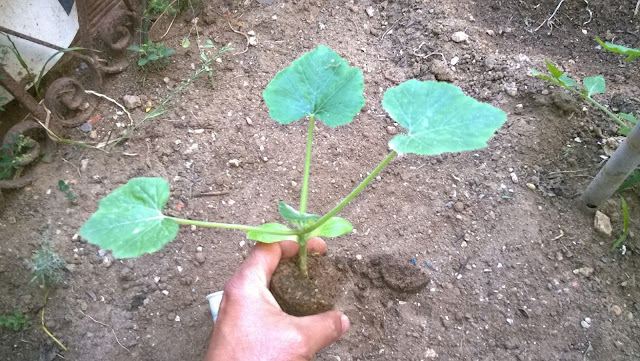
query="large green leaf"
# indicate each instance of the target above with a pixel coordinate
(292, 215)
(594, 85)
(334, 227)
(439, 118)
(130, 222)
(266, 237)
(319, 83)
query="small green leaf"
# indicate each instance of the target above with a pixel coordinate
(63, 186)
(594, 84)
(624, 130)
(130, 222)
(334, 227)
(135, 48)
(553, 70)
(292, 215)
(567, 82)
(266, 237)
(628, 117)
(539, 75)
(152, 57)
(439, 118)
(143, 61)
(319, 83)
(186, 42)
(631, 52)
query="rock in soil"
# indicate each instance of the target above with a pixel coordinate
(602, 223)
(301, 296)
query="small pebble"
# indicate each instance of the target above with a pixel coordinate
(249, 121)
(200, 257)
(459, 37)
(359, 257)
(391, 130)
(514, 177)
(199, 249)
(617, 310)
(531, 186)
(165, 292)
(234, 163)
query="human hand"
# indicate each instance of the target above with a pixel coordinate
(251, 325)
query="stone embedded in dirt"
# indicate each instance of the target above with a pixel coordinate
(234, 163)
(200, 257)
(585, 271)
(459, 37)
(370, 11)
(402, 277)
(602, 223)
(131, 101)
(430, 353)
(391, 130)
(616, 310)
(490, 62)
(514, 177)
(586, 323)
(511, 89)
(441, 71)
(458, 207)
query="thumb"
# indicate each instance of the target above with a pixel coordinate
(321, 330)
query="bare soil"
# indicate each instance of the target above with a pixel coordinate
(515, 273)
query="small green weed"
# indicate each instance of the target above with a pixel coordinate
(12, 153)
(64, 187)
(46, 264)
(171, 7)
(154, 55)
(625, 216)
(15, 322)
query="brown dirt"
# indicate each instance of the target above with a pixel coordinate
(501, 257)
(303, 296)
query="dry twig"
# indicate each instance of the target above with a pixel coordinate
(548, 21)
(241, 33)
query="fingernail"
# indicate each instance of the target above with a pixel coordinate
(345, 323)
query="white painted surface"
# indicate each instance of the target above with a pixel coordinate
(42, 19)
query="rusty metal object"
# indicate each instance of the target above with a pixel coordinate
(68, 102)
(17, 90)
(32, 131)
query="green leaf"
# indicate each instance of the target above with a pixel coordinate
(334, 227)
(625, 216)
(152, 57)
(143, 61)
(439, 118)
(594, 84)
(266, 237)
(292, 215)
(628, 117)
(624, 130)
(539, 75)
(567, 82)
(553, 70)
(63, 186)
(186, 42)
(135, 48)
(631, 52)
(319, 83)
(130, 222)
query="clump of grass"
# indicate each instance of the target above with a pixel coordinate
(46, 264)
(15, 322)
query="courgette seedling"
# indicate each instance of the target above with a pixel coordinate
(320, 86)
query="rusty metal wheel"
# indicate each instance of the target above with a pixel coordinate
(68, 102)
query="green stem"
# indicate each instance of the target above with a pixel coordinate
(302, 256)
(307, 167)
(599, 106)
(351, 195)
(231, 226)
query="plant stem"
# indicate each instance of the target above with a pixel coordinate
(231, 226)
(302, 256)
(351, 195)
(307, 167)
(599, 106)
